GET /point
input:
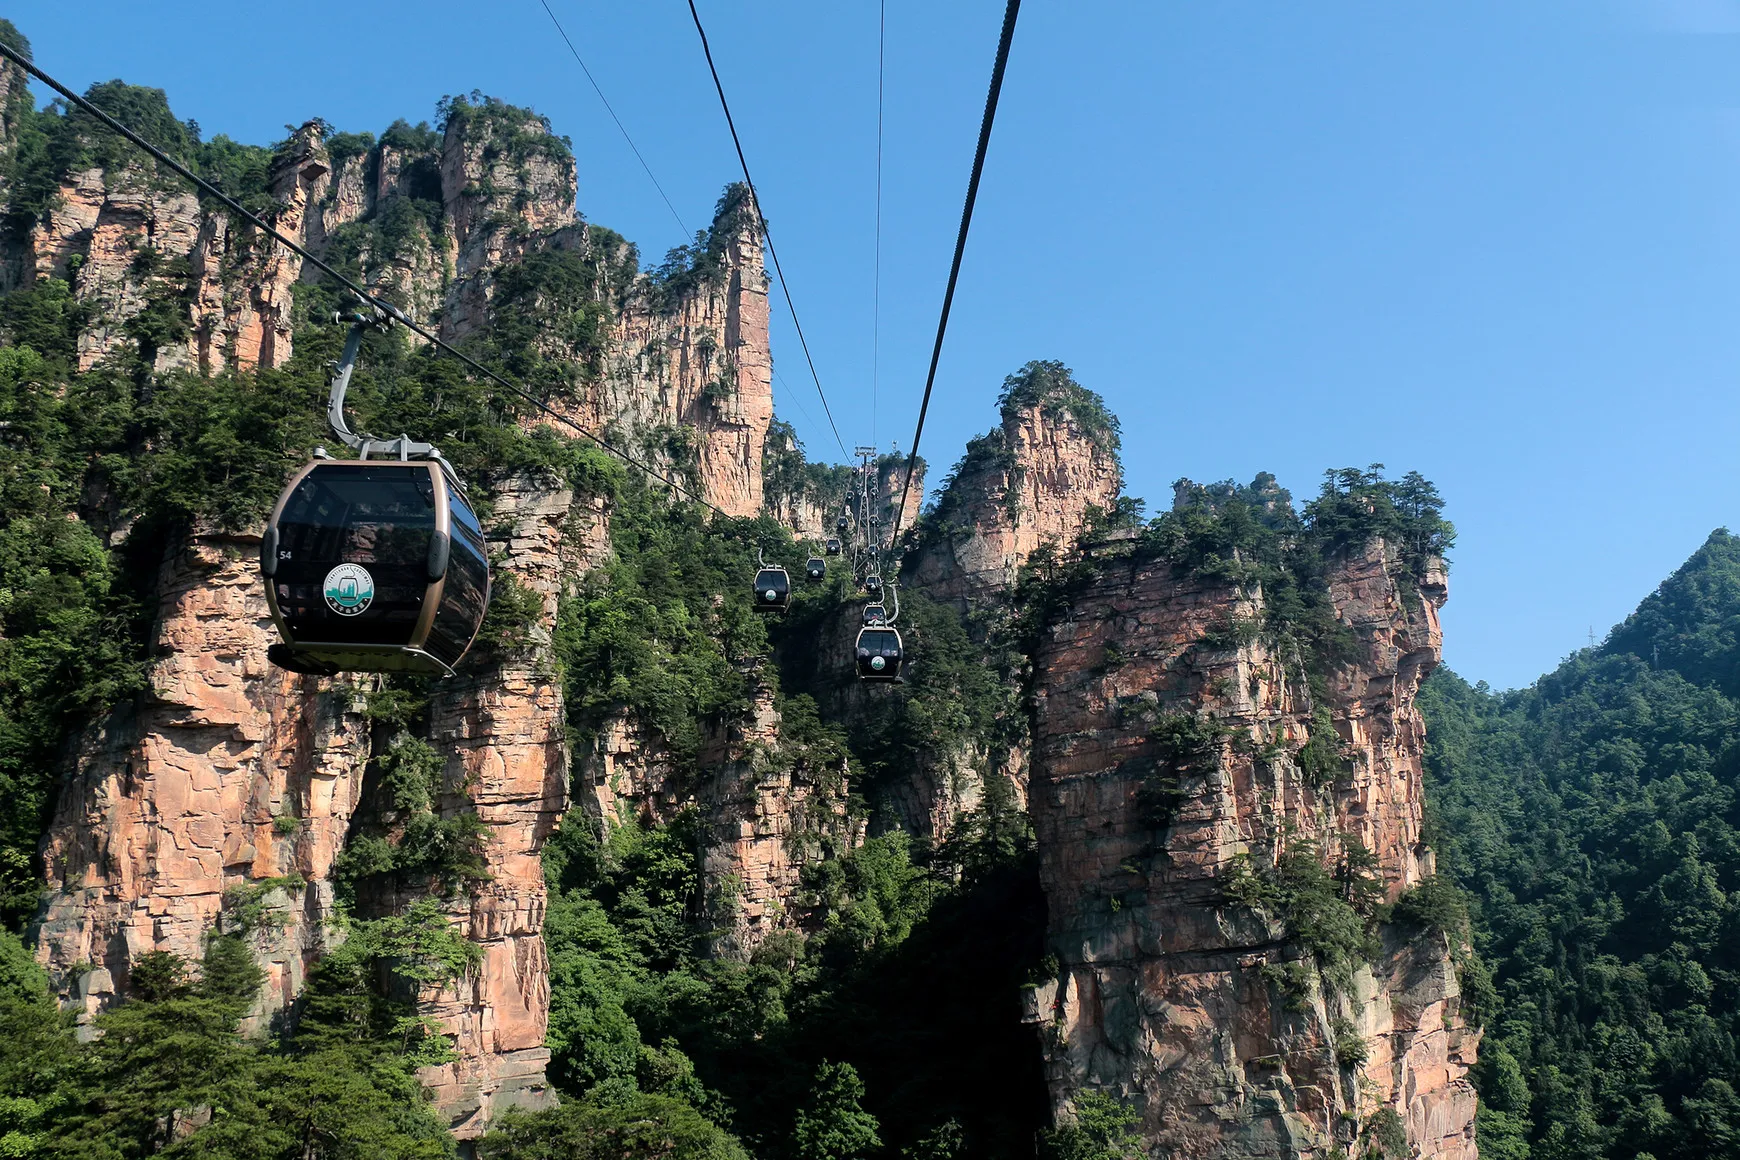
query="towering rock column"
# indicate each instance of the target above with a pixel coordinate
(502, 726)
(698, 356)
(1029, 482)
(1166, 768)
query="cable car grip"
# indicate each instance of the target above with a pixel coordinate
(366, 316)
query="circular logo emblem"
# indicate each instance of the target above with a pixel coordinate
(349, 589)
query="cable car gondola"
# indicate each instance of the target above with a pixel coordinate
(816, 569)
(834, 547)
(873, 584)
(875, 614)
(772, 588)
(879, 653)
(373, 565)
(842, 525)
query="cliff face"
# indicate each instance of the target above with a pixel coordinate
(697, 371)
(231, 783)
(502, 729)
(223, 799)
(233, 787)
(685, 376)
(1029, 482)
(763, 804)
(1220, 1021)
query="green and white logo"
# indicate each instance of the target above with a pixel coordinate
(349, 589)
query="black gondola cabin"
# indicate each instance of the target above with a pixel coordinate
(875, 614)
(879, 654)
(816, 569)
(772, 590)
(834, 547)
(374, 566)
(873, 584)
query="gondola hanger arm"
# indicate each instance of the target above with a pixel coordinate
(366, 316)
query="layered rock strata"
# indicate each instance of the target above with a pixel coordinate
(1028, 483)
(1206, 1016)
(501, 726)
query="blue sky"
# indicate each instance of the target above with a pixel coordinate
(1495, 242)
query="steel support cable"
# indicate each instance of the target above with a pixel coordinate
(755, 200)
(619, 125)
(397, 314)
(876, 281)
(1009, 15)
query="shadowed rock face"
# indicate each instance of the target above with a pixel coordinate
(1166, 995)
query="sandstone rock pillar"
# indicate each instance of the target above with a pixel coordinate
(1204, 1015)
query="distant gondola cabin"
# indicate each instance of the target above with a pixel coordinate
(772, 590)
(879, 654)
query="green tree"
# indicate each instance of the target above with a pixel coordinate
(1100, 1129)
(833, 1126)
(638, 1127)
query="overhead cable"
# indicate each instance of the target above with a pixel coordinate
(1009, 15)
(876, 281)
(755, 200)
(398, 315)
(618, 120)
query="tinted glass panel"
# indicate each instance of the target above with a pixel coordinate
(377, 520)
(883, 641)
(466, 590)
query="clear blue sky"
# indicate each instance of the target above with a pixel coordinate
(1496, 242)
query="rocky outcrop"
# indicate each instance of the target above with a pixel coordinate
(502, 727)
(686, 377)
(1168, 767)
(243, 279)
(1028, 483)
(134, 240)
(689, 378)
(763, 805)
(230, 787)
(507, 189)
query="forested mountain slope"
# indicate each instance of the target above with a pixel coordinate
(1593, 817)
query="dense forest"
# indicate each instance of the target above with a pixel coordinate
(1592, 817)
